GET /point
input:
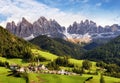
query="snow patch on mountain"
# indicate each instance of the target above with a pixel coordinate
(29, 38)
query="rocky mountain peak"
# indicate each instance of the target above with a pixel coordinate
(52, 28)
(86, 22)
(11, 27)
(24, 21)
(47, 27)
(42, 26)
(13, 22)
(42, 19)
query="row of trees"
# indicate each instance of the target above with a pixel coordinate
(64, 61)
(60, 61)
(86, 65)
(4, 64)
(111, 69)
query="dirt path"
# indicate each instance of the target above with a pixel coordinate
(40, 80)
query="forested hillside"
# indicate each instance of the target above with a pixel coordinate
(58, 46)
(109, 53)
(12, 46)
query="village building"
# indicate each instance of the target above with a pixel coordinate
(14, 67)
(39, 69)
(21, 69)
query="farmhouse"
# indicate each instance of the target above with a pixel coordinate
(14, 67)
(21, 69)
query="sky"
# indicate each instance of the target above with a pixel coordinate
(65, 12)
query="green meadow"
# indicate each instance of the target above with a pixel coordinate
(51, 78)
(4, 78)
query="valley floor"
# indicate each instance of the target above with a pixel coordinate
(53, 78)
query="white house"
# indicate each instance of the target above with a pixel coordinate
(21, 69)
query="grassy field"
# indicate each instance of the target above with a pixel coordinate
(51, 57)
(44, 54)
(51, 78)
(9, 79)
(96, 79)
(111, 79)
(48, 56)
(33, 78)
(20, 62)
(79, 63)
(14, 61)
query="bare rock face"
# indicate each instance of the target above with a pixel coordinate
(24, 28)
(50, 28)
(90, 27)
(11, 27)
(84, 31)
(42, 26)
(83, 27)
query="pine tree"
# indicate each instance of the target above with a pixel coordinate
(102, 79)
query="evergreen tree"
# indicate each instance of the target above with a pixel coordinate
(86, 64)
(102, 79)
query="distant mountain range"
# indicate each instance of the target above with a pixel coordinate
(85, 31)
(42, 26)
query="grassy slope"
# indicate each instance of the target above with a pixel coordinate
(47, 55)
(96, 79)
(111, 80)
(14, 61)
(58, 46)
(9, 79)
(79, 63)
(52, 78)
(51, 57)
(44, 54)
(32, 77)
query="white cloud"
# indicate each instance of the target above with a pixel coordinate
(32, 10)
(14, 10)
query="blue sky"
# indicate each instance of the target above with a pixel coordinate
(103, 12)
(85, 6)
(75, 5)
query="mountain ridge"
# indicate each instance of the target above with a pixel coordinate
(42, 26)
(85, 31)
